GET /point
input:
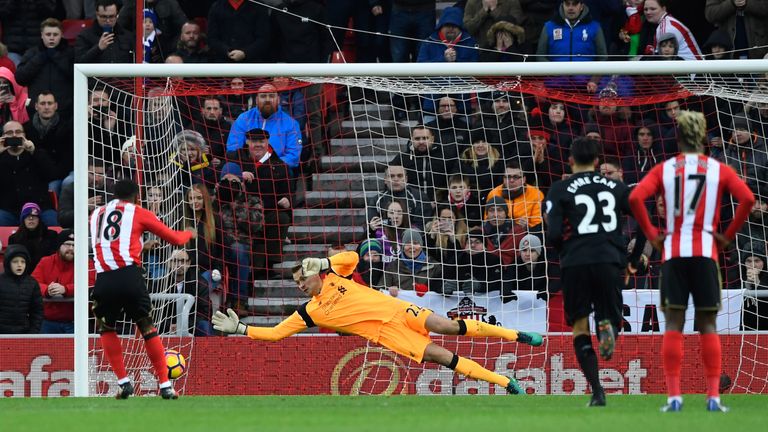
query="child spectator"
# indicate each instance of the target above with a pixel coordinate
(630, 32)
(21, 305)
(464, 201)
(150, 38)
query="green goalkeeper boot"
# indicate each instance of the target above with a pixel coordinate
(514, 388)
(530, 338)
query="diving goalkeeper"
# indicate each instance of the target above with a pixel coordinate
(343, 305)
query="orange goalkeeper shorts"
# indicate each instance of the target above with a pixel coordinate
(406, 333)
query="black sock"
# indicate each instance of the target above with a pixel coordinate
(582, 344)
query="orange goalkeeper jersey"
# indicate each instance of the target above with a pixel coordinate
(342, 305)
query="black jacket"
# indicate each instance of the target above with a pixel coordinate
(21, 22)
(271, 179)
(38, 243)
(300, 41)
(57, 142)
(120, 51)
(25, 179)
(48, 69)
(21, 304)
(246, 29)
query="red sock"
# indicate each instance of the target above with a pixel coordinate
(156, 353)
(114, 352)
(672, 353)
(711, 356)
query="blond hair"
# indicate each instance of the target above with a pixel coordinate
(691, 131)
(470, 157)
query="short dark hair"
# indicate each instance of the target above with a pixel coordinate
(513, 164)
(584, 150)
(45, 93)
(612, 160)
(106, 3)
(296, 268)
(125, 189)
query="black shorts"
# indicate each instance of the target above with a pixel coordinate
(592, 287)
(120, 291)
(695, 276)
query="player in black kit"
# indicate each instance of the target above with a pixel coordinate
(584, 217)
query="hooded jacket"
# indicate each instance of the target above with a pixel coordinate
(21, 305)
(18, 107)
(433, 49)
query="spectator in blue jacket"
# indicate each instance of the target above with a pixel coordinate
(571, 35)
(284, 132)
(450, 42)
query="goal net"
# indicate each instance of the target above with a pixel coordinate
(436, 177)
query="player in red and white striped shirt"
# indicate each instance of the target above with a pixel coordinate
(116, 238)
(691, 185)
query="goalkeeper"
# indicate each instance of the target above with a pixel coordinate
(341, 304)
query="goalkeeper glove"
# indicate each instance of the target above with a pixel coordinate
(229, 323)
(313, 266)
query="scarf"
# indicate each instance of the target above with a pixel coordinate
(148, 43)
(460, 204)
(448, 43)
(44, 128)
(414, 265)
(511, 195)
(236, 4)
(203, 163)
(264, 158)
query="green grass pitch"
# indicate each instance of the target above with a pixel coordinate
(377, 413)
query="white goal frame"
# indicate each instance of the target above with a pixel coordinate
(85, 71)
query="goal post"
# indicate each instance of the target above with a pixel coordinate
(476, 78)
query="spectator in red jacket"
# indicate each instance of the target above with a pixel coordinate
(56, 276)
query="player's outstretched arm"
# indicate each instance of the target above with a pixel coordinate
(154, 225)
(230, 323)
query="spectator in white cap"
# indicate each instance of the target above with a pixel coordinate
(529, 272)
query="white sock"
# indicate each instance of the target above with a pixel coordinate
(674, 398)
(716, 399)
(165, 384)
(123, 380)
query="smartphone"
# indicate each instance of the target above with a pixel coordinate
(385, 221)
(13, 142)
(106, 29)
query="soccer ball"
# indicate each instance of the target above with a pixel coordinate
(176, 364)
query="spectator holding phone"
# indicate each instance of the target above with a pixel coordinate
(13, 98)
(24, 173)
(104, 42)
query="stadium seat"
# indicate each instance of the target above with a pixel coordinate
(72, 27)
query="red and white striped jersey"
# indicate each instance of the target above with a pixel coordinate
(116, 234)
(692, 186)
(688, 48)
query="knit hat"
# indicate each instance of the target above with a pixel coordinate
(64, 236)
(411, 236)
(591, 127)
(498, 94)
(369, 245)
(231, 168)
(753, 248)
(149, 13)
(740, 121)
(28, 209)
(496, 201)
(532, 242)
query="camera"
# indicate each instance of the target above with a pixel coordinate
(385, 221)
(13, 142)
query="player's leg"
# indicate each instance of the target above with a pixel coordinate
(674, 291)
(474, 328)
(585, 354)
(606, 299)
(707, 300)
(105, 309)
(436, 354)
(138, 307)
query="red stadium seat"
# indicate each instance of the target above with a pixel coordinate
(72, 27)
